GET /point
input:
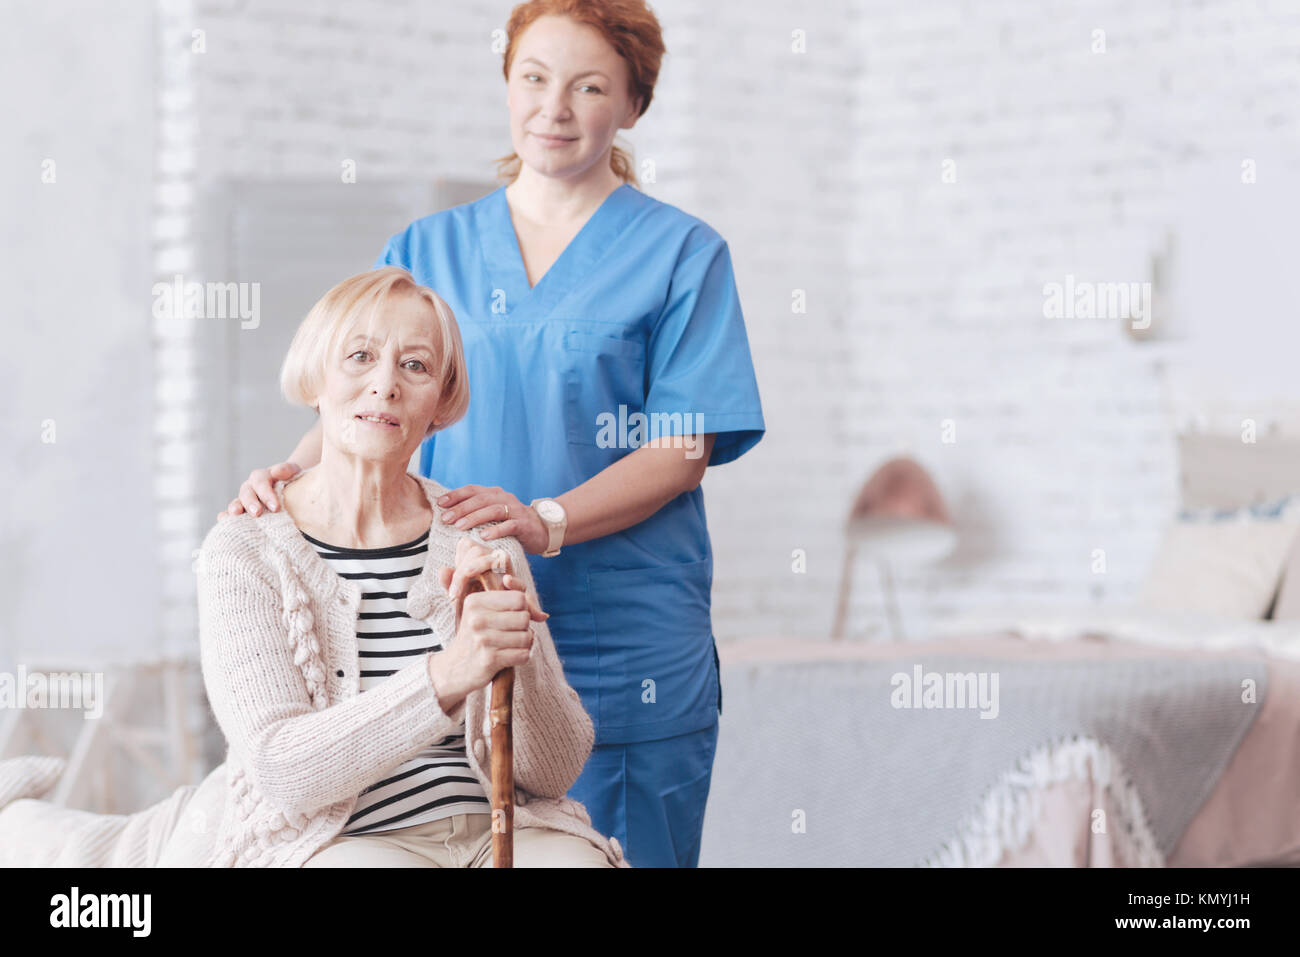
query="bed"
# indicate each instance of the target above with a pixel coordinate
(797, 746)
(1165, 732)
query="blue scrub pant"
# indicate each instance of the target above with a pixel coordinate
(650, 795)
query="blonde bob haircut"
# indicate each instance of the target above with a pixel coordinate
(357, 304)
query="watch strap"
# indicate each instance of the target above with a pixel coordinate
(555, 531)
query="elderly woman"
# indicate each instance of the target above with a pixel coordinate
(344, 660)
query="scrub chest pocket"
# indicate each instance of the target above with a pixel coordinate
(601, 374)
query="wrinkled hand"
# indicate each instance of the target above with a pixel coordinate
(257, 491)
(494, 628)
(472, 505)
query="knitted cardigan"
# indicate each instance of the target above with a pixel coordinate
(279, 656)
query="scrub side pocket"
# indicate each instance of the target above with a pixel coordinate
(655, 647)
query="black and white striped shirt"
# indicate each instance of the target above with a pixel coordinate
(438, 782)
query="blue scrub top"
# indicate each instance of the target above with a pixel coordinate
(639, 314)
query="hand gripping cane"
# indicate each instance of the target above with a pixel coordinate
(502, 764)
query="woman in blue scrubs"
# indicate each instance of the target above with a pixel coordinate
(608, 366)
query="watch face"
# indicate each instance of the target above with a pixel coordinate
(550, 511)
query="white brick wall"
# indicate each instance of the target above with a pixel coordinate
(1068, 161)
(822, 168)
(77, 541)
(178, 427)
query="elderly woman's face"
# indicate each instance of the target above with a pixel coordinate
(381, 391)
(567, 94)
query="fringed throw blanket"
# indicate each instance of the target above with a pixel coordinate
(890, 763)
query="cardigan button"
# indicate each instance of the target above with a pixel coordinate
(339, 672)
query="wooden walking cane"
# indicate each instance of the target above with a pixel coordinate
(502, 764)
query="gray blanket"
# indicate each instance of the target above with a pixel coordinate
(879, 785)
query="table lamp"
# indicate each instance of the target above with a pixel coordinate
(898, 517)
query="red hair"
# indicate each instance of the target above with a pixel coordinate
(629, 26)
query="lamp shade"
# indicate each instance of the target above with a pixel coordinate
(900, 515)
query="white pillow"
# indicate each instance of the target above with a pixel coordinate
(1223, 561)
(1288, 593)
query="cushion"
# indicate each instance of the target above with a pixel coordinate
(1223, 561)
(1287, 607)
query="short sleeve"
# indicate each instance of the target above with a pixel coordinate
(701, 375)
(394, 253)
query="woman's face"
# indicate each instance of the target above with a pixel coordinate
(567, 95)
(380, 391)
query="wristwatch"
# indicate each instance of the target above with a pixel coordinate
(553, 517)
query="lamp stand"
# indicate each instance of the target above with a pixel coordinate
(891, 600)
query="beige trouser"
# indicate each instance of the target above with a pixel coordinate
(462, 840)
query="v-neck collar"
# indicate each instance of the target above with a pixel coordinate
(505, 262)
(321, 579)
